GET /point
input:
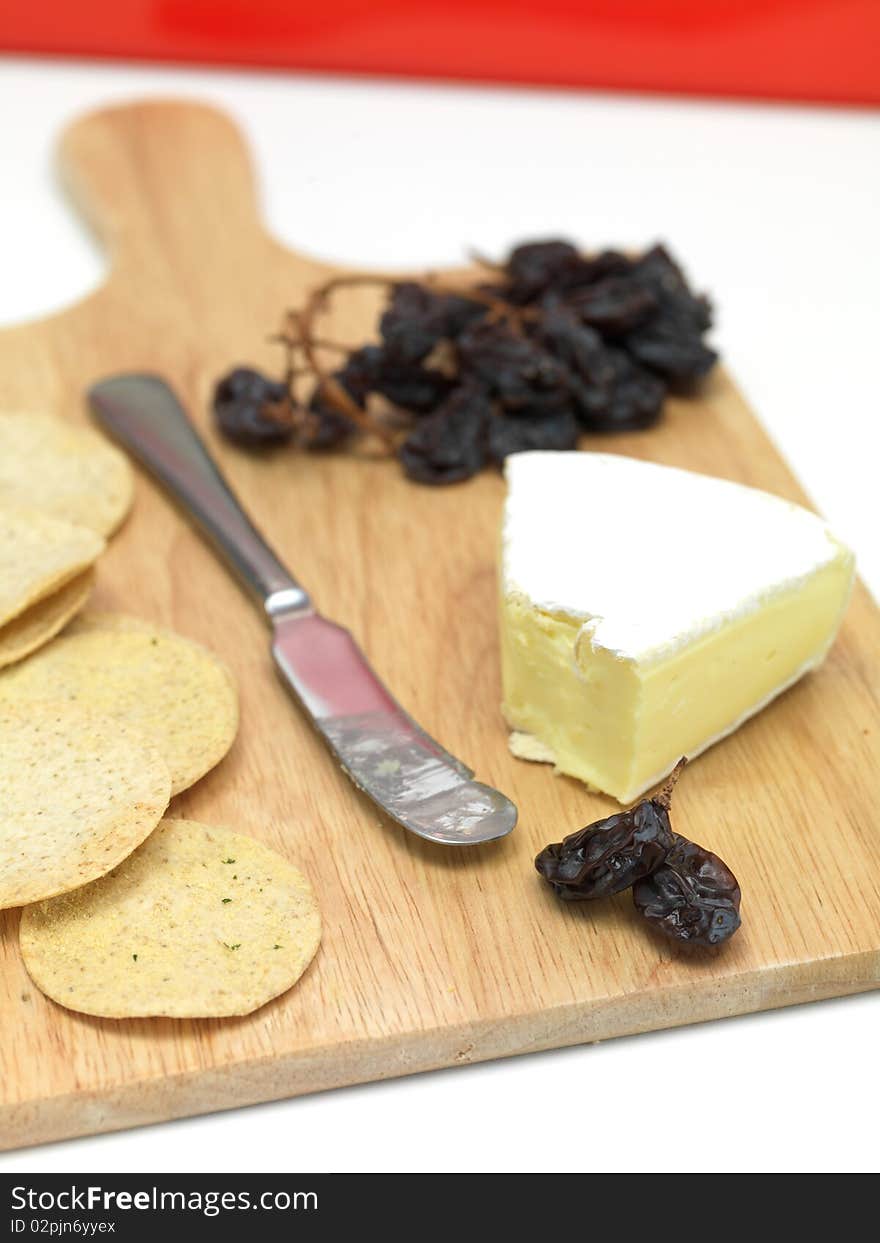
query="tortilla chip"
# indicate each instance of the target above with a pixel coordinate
(199, 922)
(98, 621)
(78, 793)
(42, 621)
(64, 470)
(38, 555)
(170, 689)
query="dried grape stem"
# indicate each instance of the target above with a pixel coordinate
(329, 388)
(663, 797)
(483, 261)
(504, 310)
(282, 412)
(298, 334)
(319, 296)
(280, 338)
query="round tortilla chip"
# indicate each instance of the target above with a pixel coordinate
(38, 555)
(170, 689)
(100, 621)
(78, 793)
(97, 621)
(42, 621)
(64, 470)
(197, 923)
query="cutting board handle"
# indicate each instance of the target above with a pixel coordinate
(163, 182)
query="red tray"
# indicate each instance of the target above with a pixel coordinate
(786, 49)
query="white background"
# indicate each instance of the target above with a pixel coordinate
(773, 209)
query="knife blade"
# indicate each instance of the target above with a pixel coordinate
(377, 743)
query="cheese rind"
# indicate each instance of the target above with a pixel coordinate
(647, 611)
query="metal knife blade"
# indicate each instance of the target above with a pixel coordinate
(381, 748)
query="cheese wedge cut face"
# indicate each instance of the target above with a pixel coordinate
(646, 611)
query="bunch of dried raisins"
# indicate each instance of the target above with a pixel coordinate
(555, 344)
(683, 890)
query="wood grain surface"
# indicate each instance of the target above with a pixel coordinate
(431, 956)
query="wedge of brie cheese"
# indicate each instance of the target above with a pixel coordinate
(646, 611)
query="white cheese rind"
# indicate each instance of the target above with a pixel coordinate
(649, 558)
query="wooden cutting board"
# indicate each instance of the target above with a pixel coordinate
(431, 956)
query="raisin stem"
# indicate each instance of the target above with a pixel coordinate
(320, 295)
(498, 306)
(293, 343)
(330, 389)
(484, 261)
(281, 412)
(298, 333)
(663, 797)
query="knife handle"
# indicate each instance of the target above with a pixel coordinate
(144, 415)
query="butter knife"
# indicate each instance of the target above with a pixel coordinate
(381, 748)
